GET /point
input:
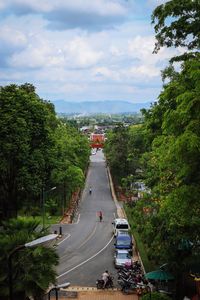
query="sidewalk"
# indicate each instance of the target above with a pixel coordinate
(97, 295)
(105, 295)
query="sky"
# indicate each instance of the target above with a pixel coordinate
(82, 50)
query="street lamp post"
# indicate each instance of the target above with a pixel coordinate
(43, 204)
(56, 289)
(41, 241)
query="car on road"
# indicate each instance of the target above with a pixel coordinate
(120, 224)
(122, 232)
(93, 152)
(122, 258)
(124, 242)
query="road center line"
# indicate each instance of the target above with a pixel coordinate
(89, 237)
(85, 261)
(92, 233)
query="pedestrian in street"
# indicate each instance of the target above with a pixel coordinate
(100, 216)
(90, 190)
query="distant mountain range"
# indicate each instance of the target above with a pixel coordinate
(93, 107)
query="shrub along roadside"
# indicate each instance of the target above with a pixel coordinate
(33, 268)
(139, 245)
(155, 296)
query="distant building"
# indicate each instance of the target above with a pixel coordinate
(97, 140)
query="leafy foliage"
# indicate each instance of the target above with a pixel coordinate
(123, 150)
(172, 165)
(167, 220)
(155, 296)
(37, 151)
(33, 268)
(25, 142)
(177, 23)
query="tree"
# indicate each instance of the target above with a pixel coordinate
(116, 150)
(172, 171)
(33, 268)
(71, 158)
(177, 23)
(168, 222)
(26, 125)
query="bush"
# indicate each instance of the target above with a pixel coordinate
(155, 296)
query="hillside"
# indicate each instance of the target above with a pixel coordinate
(86, 107)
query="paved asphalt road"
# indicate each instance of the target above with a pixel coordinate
(86, 249)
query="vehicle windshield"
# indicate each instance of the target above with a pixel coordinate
(122, 226)
(123, 242)
(123, 255)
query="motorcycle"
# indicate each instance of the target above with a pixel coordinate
(127, 285)
(109, 283)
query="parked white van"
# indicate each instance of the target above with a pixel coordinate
(120, 225)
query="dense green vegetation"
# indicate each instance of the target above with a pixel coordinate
(168, 151)
(33, 269)
(40, 157)
(123, 150)
(37, 151)
(155, 296)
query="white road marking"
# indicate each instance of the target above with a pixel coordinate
(89, 237)
(85, 261)
(77, 220)
(92, 233)
(64, 239)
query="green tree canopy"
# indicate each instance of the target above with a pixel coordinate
(177, 23)
(33, 268)
(26, 125)
(37, 150)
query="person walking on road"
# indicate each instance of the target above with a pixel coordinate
(100, 216)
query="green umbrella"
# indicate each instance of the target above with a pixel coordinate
(160, 275)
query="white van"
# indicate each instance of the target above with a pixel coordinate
(120, 225)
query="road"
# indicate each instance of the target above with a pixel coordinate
(86, 249)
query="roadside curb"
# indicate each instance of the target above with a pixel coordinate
(85, 289)
(120, 210)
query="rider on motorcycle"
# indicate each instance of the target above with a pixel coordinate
(105, 276)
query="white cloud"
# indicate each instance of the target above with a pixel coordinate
(144, 72)
(12, 38)
(102, 7)
(44, 53)
(141, 47)
(91, 15)
(40, 53)
(104, 73)
(80, 54)
(101, 51)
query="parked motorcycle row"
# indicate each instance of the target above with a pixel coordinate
(132, 279)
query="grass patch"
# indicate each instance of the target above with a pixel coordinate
(49, 220)
(148, 265)
(140, 246)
